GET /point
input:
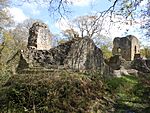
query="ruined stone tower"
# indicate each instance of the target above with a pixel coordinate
(39, 37)
(127, 47)
(77, 54)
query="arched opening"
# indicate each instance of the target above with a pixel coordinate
(119, 50)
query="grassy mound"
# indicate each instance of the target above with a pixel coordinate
(132, 93)
(59, 92)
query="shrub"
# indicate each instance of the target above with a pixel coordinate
(60, 92)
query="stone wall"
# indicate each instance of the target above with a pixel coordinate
(127, 47)
(148, 62)
(39, 37)
(135, 47)
(84, 55)
(78, 55)
(141, 65)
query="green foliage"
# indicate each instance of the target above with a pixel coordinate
(122, 85)
(60, 92)
(106, 51)
(64, 91)
(5, 50)
(4, 75)
(132, 94)
(145, 52)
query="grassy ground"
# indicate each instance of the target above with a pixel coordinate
(57, 92)
(70, 92)
(132, 94)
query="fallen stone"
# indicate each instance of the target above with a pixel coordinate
(132, 72)
(116, 62)
(140, 65)
(120, 72)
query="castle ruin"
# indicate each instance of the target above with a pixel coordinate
(77, 54)
(39, 37)
(128, 47)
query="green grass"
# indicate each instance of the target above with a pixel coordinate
(129, 92)
(63, 91)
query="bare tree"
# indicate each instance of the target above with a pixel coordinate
(70, 33)
(122, 7)
(55, 7)
(21, 32)
(5, 18)
(88, 25)
(126, 8)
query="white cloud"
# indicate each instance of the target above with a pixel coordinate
(35, 12)
(33, 8)
(80, 2)
(115, 30)
(119, 27)
(17, 14)
(143, 3)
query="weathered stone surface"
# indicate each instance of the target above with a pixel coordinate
(116, 62)
(147, 62)
(123, 71)
(39, 37)
(84, 55)
(120, 72)
(45, 58)
(127, 47)
(81, 54)
(122, 67)
(140, 65)
(133, 72)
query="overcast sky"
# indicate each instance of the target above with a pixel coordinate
(24, 11)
